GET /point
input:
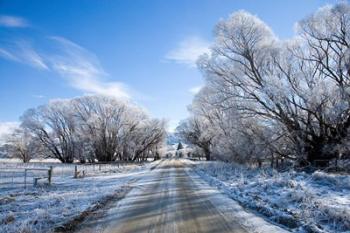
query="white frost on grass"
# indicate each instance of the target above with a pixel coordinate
(228, 207)
(41, 209)
(317, 202)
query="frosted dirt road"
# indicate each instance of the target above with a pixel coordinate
(168, 200)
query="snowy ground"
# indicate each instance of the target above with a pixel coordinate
(12, 171)
(41, 209)
(317, 202)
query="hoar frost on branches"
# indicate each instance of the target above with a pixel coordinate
(265, 97)
(93, 128)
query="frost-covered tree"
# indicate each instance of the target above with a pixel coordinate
(148, 138)
(289, 96)
(233, 137)
(116, 129)
(93, 128)
(22, 145)
(54, 127)
(195, 132)
(100, 120)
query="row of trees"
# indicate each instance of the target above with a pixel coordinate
(88, 129)
(271, 98)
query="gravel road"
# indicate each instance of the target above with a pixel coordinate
(167, 199)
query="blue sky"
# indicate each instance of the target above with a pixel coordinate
(143, 50)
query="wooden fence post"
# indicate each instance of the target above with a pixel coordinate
(50, 174)
(76, 171)
(25, 178)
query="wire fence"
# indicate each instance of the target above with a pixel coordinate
(14, 175)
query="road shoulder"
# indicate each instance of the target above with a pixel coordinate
(231, 209)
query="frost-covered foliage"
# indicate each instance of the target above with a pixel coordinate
(317, 202)
(93, 128)
(22, 145)
(268, 97)
(196, 132)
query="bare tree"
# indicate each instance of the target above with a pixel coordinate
(93, 128)
(53, 125)
(117, 129)
(21, 144)
(297, 88)
(150, 136)
(195, 132)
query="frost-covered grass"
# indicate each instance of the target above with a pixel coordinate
(318, 202)
(12, 171)
(40, 209)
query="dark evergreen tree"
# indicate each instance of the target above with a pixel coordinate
(180, 146)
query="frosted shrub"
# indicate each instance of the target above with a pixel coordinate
(297, 200)
(340, 181)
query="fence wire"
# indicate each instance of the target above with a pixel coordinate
(12, 175)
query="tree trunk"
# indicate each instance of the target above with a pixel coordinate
(317, 156)
(207, 154)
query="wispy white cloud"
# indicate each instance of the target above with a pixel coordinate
(79, 67)
(23, 52)
(7, 55)
(195, 90)
(13, 21)
(188, 51)
(27, 54)
(83, 71)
